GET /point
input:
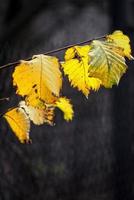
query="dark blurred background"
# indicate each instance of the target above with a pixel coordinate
(92, 157)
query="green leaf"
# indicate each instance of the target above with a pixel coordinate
(106, 62)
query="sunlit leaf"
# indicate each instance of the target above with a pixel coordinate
(65, 106)
(106, 62)
(41, 75)
(41, 115)
(121, 41)
(76, 66)
(19, 123)
(33, 100)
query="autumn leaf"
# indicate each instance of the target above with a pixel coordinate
(65, 106)
(41, 75)
(121, 41)
(76, 66)
(43, 114)
(106, 62)
(19, 118)
(19, 123)
(33, 100)
(100, 63)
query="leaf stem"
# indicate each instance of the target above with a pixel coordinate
(12, 64)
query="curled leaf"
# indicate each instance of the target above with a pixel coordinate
(41, 115)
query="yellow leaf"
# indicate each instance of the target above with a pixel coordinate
(39, 115)
(64, 105)
(40, 74)
(94, 83)
(106, 62)
(19, 123)
(70, 53)
(76, 51)
(76, 66)
(33, 100)
(82, 51)
(121, 41)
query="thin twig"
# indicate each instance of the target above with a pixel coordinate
(4, 98)
(12, 64)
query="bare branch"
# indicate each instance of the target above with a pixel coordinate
(12, 64)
